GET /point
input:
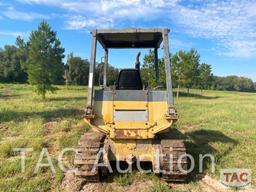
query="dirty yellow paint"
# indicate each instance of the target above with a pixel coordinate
(131, 138)
(142, 150)
(157, 121)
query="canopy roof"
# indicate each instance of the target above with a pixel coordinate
(130, 38)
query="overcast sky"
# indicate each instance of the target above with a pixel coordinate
(224, 32)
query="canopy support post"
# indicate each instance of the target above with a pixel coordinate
(168, 68)
(156, 66)
(91, 70)
(105, 78)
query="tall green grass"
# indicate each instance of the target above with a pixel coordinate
(221, 123)
(27, 121)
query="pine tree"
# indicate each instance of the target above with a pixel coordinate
(44, 64)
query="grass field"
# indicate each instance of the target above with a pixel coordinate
(222, 123)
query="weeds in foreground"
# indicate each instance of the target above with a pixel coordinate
(160, 187)
(124, 180)
(211, 123)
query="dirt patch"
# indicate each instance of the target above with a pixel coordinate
(70, 183)
(50, 124)
(8, 95)
(207, 184)
(212, 185)
(3, 126)
(142, 186)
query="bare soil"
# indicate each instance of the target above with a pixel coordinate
(206, 184)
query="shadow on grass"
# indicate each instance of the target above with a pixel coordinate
(67, 98)
(198, 96)
(46, 115)
(200, 142)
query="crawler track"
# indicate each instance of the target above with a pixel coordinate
(86, 155)
(91, 142)
(171, 172)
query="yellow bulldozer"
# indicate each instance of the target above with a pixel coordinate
(130, 123)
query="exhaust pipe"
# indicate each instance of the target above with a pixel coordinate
(137, 64)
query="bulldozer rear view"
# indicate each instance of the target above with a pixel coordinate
(130, 123)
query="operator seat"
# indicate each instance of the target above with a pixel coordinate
(129, 79)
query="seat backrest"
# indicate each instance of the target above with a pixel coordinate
(129, 79)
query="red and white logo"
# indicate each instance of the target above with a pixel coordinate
(235, 178)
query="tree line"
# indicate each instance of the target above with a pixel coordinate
(77, 70)
(39, 61)
(188, 72)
